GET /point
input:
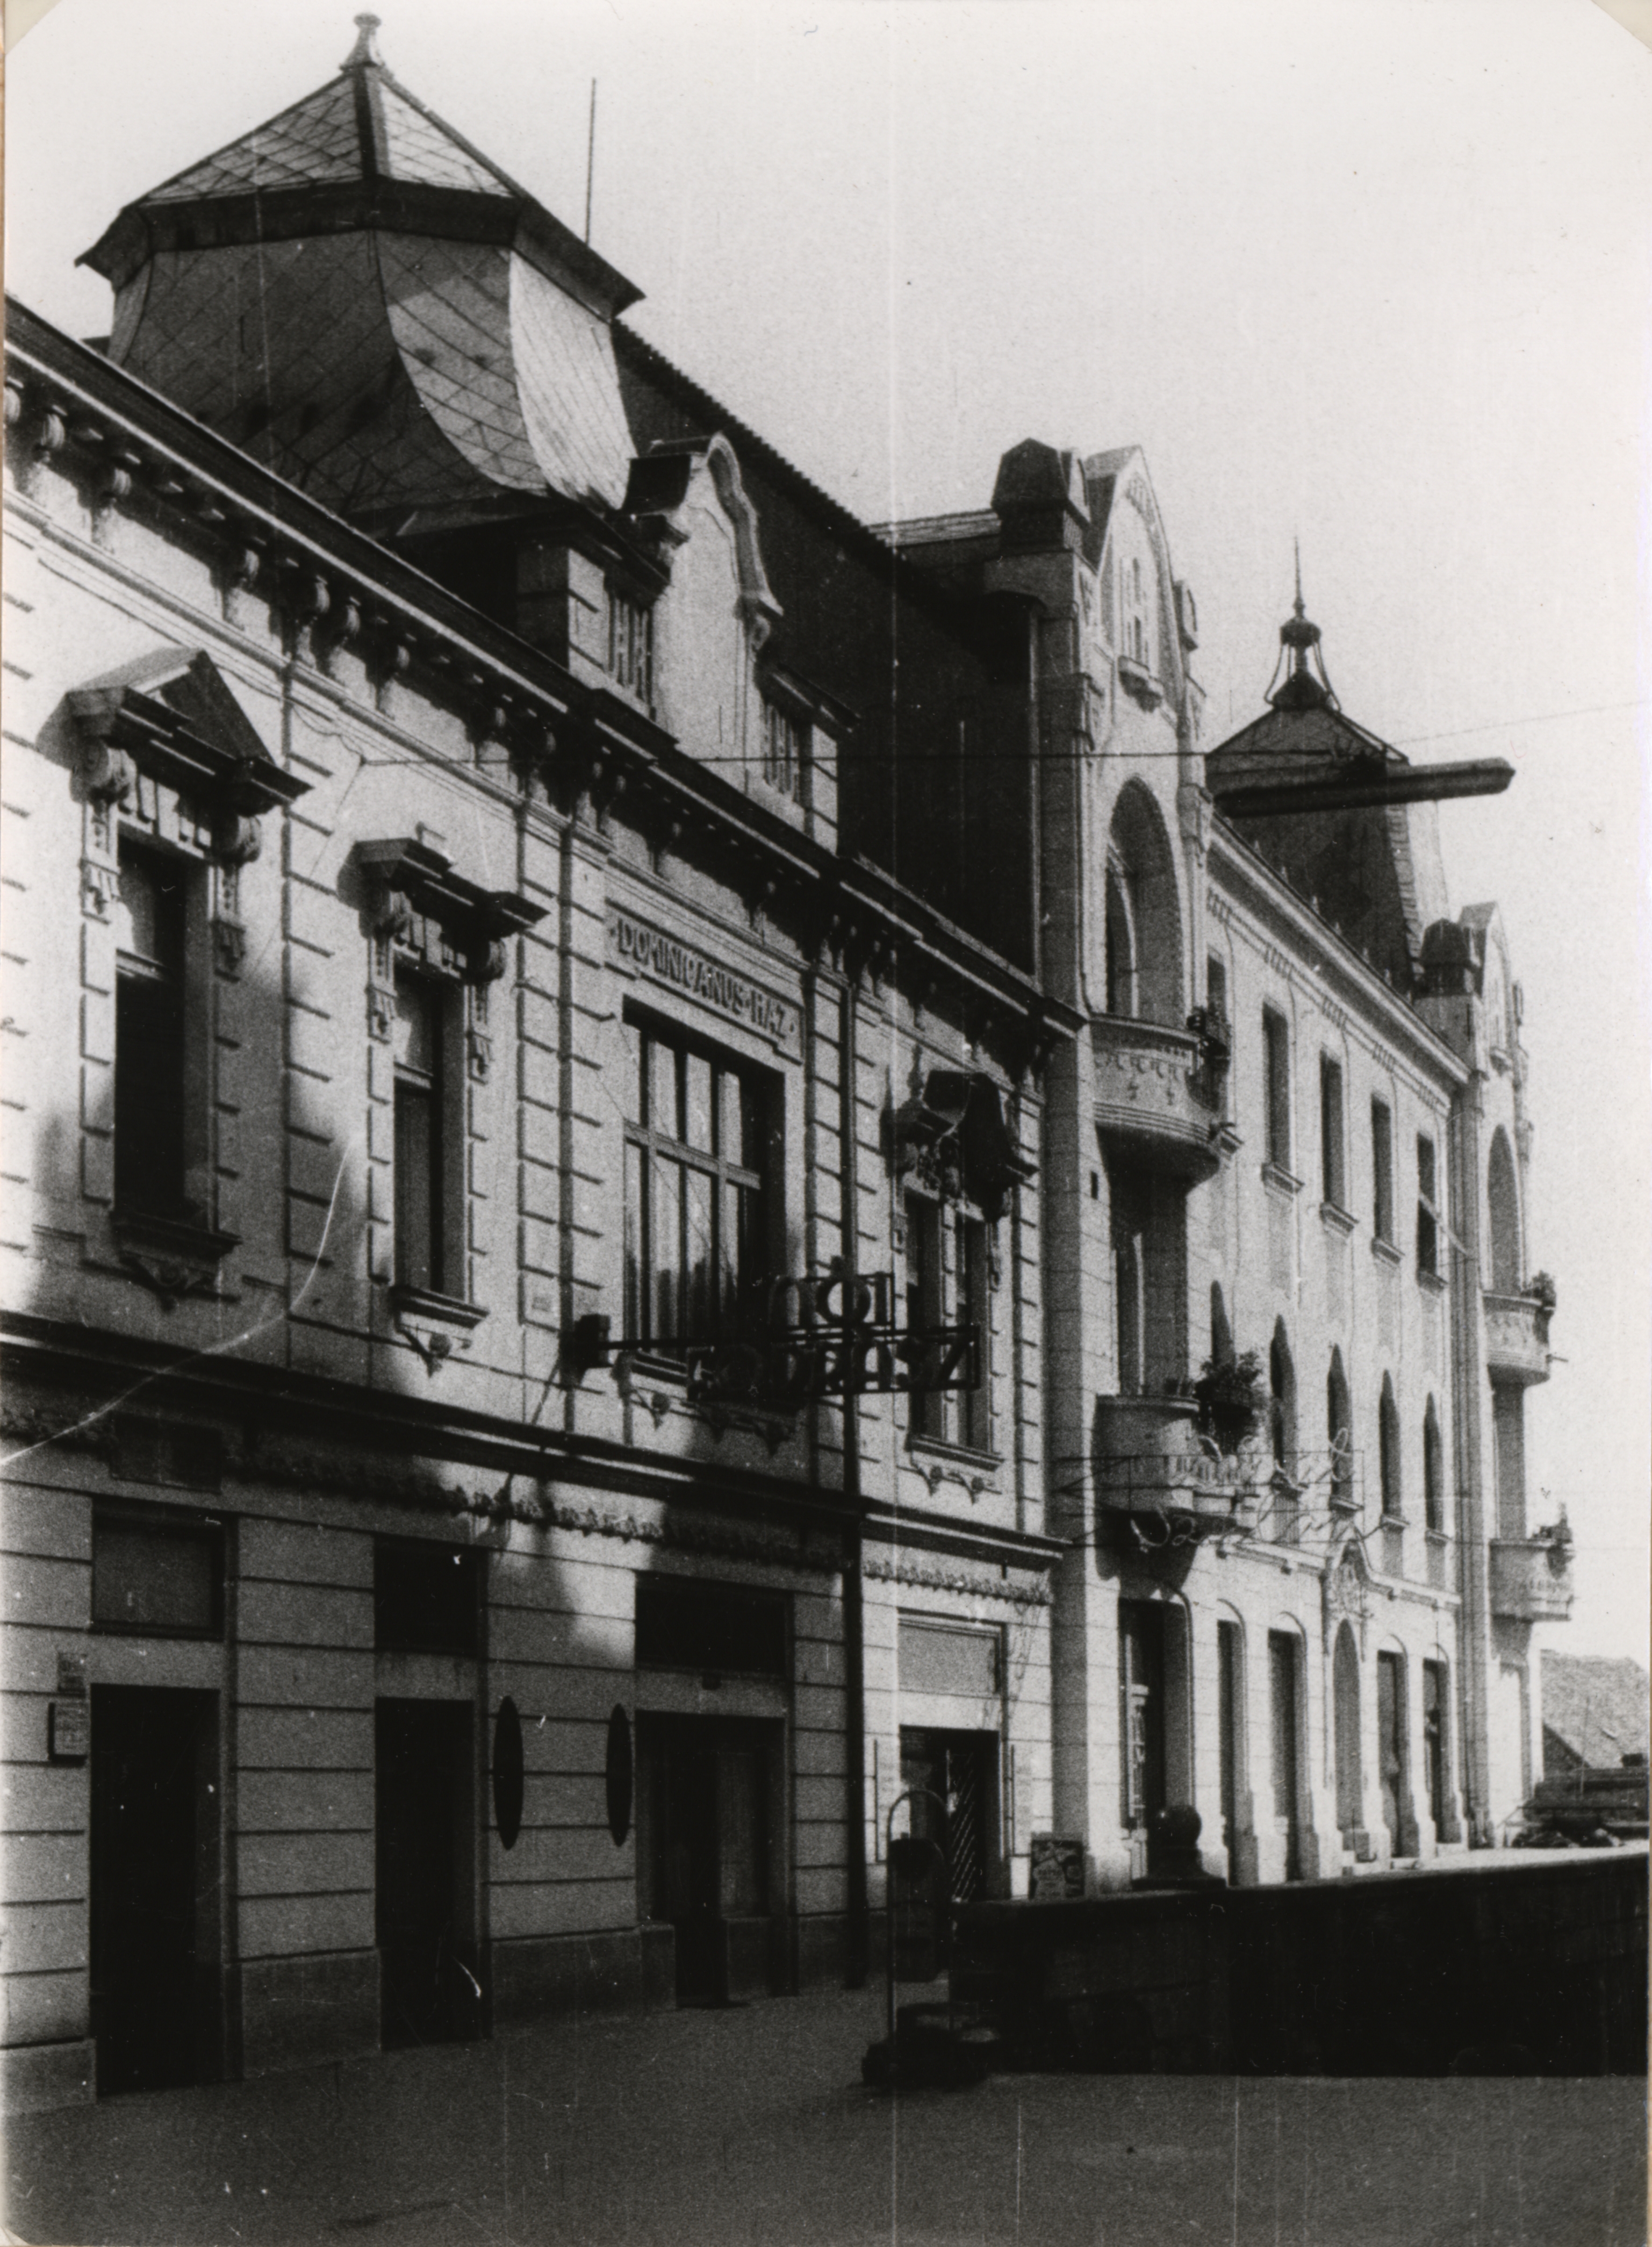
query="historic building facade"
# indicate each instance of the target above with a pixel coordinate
(523, 1324)
(1292, 1315)
(627, 1241)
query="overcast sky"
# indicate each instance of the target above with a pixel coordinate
(1371, 273)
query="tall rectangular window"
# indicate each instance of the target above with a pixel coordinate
(786, 743)
(1428, 1222)
(949, 1284)
(150, 1025)
(1276, 1043)
(1382, 1170)
(1334, 1181)
(925, 1302)
(974, 1308)
(420, 1164)
(696, 1160)
(1230, 1720)
(631, 645)
(1216, 987)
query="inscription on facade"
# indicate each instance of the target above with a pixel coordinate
(640, 950)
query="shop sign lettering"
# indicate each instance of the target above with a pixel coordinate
(643, 951)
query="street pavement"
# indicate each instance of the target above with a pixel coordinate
(749, 2127)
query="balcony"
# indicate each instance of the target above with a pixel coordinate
(1531, 1578)
(1161, 1091)
(1150, 1460)
(1517, 1338)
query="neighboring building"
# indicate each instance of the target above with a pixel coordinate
(1594, 1713)
(632, 1111)
(1293, 1144)
(466, 1110)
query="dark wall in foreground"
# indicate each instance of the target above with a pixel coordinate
(1535, 1970)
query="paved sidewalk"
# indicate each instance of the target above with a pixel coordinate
(750, 2128)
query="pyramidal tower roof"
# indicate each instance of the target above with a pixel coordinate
(364, 125)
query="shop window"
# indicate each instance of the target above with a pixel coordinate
(683, 1623)
(1389, 1451)
(425, 1597)
(1332, 1172)
(1382, 1170)
(1428, 1223)
(1276, 1051)
(631, 644)
(697, 1161)
(786, 747)
(156, 1575)
(151, 1028)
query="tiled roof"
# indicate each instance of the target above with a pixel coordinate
(1596, 1707)
(364, 124)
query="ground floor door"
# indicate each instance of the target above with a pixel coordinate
(1434, 1773)
(956, 1811)
(1141, 1667)
(430, 1988)
(154, 1887)
(1284, 1667)
(1345, 1698)
(709, 1789)
(1391, 1740)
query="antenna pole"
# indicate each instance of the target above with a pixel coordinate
(591, 156)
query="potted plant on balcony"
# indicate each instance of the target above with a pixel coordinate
(1229, 1394)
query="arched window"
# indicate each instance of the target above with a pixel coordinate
(1281, 1399)
(1120, 944)
(1143, 914)
(1503, 1198)
(1433, 1470)
(1388, 1438)
(1339, 1429)
(1221, 1333)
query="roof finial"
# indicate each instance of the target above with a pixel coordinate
(1297, 544)
(1303, 684)
(366, 51)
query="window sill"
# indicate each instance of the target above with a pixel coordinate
(1386, 1253)
(172, 1236)
(1394, 1520)
(963, 1455)
(1280, 1180)
(1335, 1219)
(425, 1304)
(1431, 1283)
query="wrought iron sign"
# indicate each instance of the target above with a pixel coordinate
(819, 1337)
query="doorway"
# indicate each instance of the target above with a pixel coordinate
(1434, 1744)
(1141, 1684)
(709, 1785)
(154, 1887)
(1345, 1692)
(1284, 1667)
(959, 1769)
(1390, 1745)
(430, 1989)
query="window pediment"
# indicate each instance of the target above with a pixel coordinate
(416, 889)
(173, 719)
(954, 1136)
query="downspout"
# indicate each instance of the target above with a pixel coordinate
(1475, 1652)
(857, 1932)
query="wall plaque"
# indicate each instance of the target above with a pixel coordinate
(639, 950)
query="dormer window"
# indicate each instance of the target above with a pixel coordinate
(786, 747)
(631, 644)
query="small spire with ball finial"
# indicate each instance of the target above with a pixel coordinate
(365, 54)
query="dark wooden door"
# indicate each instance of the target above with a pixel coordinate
(1282, 1664)
(709, 1785)
(1390, 1739)
(1141, 1640)
(1434, 1741)
(152, 1988)
(429, 1989)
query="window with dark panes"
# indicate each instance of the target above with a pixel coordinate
(425, 1597)
(150, 1031)
(688, 1623)
(1276, 1049)
(949, 1284)
(157, 1576)
(631, 645)
(420, 1149)
(925, 1299)
(698, 1160)
(1428, 1222)
(786, 743)
(1382, 1170)
(1333, 1182)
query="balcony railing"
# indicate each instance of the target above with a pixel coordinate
(1163, 1090)
(1530, 1579)
(1517, 1338)
(1150, 1460)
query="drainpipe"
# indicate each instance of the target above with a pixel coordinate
(857, 1932)
(1473, 1559)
